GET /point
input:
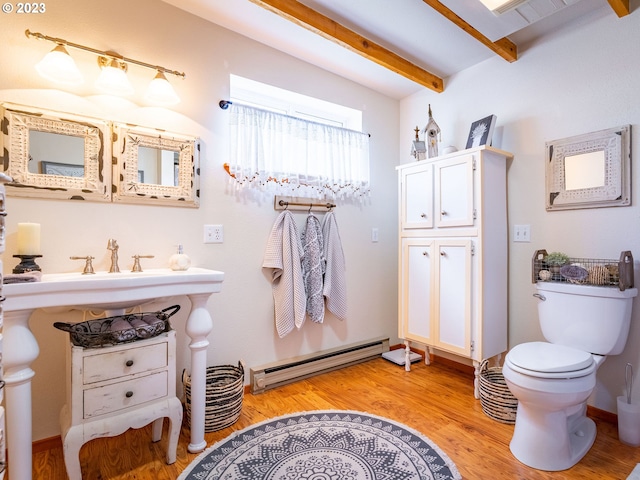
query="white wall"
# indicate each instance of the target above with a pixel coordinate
(155, 32)
(585, 79)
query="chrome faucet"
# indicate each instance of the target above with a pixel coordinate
(113, 246)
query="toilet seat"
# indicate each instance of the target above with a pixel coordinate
(548, 360)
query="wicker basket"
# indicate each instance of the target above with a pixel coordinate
(224, 395)
(99, 332)
(497, 400)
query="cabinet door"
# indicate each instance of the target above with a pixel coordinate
(454, 192)
(415, 290)
(417, 197)
(452, 291)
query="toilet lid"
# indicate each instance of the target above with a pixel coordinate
(549, 358)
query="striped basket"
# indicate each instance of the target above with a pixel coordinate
(224, 395)
(495, 397)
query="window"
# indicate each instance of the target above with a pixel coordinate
(291, 144)
(266, 97)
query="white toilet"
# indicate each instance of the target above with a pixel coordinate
(552, 381)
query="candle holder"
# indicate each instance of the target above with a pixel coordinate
(27, 264)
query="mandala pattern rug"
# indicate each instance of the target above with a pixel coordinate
(324, 445)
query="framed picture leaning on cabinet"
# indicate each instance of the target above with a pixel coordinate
(481, 132)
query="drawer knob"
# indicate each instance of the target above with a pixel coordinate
(129, 394)
(129, 363)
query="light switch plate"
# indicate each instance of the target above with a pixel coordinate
(522, 233)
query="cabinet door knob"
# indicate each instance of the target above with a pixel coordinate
(425, 253)
(443, 254)
(443, 213)
(129, 394)
(423, 215)
(129, 363)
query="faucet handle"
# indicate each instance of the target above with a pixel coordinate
(88, 266)
(136, 262)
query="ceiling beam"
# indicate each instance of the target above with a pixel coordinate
(304, 16)
(503, 47)
(621, 7)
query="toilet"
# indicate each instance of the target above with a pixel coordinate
(552, 380)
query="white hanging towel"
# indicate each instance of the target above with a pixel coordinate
(282, 259)
(313, 265)
(335, 277)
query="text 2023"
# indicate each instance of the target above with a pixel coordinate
(31, 7)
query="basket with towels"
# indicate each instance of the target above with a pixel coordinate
(102, 332)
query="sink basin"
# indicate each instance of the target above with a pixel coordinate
(108, 291)
(77, 276)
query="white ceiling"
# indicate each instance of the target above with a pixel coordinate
(409, 28)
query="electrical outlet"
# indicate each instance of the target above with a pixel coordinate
(213, 234)
(521, 233)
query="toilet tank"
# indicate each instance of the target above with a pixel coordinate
(592, 319)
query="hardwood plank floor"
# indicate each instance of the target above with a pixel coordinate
(436, 400)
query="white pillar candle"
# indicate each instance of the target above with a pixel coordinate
(28, 239)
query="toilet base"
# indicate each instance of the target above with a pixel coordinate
(550, 440)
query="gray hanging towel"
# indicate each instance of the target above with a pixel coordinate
(313, 266)
(282, 261)
(335, 277)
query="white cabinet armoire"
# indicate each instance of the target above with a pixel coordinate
(453, 254)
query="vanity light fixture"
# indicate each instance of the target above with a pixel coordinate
(113, 78)
(58, 66)
(499, 7)
(161, 92)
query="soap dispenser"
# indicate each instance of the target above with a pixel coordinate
(180, 260)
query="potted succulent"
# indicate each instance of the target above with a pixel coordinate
(555, 260)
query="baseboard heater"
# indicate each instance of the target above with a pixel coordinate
(287, 371)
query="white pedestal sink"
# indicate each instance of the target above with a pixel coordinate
(102, 291)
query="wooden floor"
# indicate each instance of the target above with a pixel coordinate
(436, 400)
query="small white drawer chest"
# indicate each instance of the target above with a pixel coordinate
(112, 389)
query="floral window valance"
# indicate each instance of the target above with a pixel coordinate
(285, 155)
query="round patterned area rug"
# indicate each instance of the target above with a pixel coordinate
(323, 445)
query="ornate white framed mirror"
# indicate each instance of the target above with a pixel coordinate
(55, 155)
(156, 167)
(589, 171)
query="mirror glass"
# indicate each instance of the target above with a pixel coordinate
(590, 170)
(584, 171)
(156, 167)
(55, 155)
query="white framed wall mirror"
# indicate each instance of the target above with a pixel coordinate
(65, 156)
(53, 155)
(589, 171)
(155, 166)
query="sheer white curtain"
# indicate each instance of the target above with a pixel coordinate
(290, 156)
